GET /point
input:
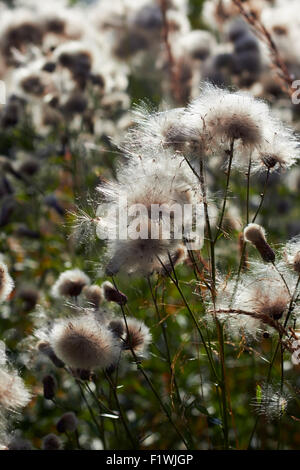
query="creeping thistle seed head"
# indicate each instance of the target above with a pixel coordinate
(94, 295)
(112, 294)
(6, 282)
(70, 283)
(279, 150)
(255, 234)
(67, 423)
(264, 293)
(153, 192)
(51, 442)
(165, 129)
(229, 117)
(13, 393)
(137, 336)
(82, 343)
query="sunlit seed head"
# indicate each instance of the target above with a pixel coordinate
(13, 393)
(70, 283)
(137, 336)
(82, 343)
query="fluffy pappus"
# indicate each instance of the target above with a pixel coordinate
(82, 343)
(14, 395)
(137, 336)
(70, 283)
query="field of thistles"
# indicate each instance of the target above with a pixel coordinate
(149, 225)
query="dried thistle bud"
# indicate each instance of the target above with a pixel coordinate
(94, 295)
(51, 442)
(45, 348)
(68, 422)
(112, 294)
(49, 387)
(255, 234)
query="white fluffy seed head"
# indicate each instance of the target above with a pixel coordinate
(6, 282)
(137, 336)
(228, 117)
(82, 343)
(70, 283)
(13, 393)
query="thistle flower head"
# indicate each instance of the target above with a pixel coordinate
(70, 283)
(6, 282)
(82, 343)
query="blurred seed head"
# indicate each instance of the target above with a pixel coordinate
(51, 442)
(67, 423)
